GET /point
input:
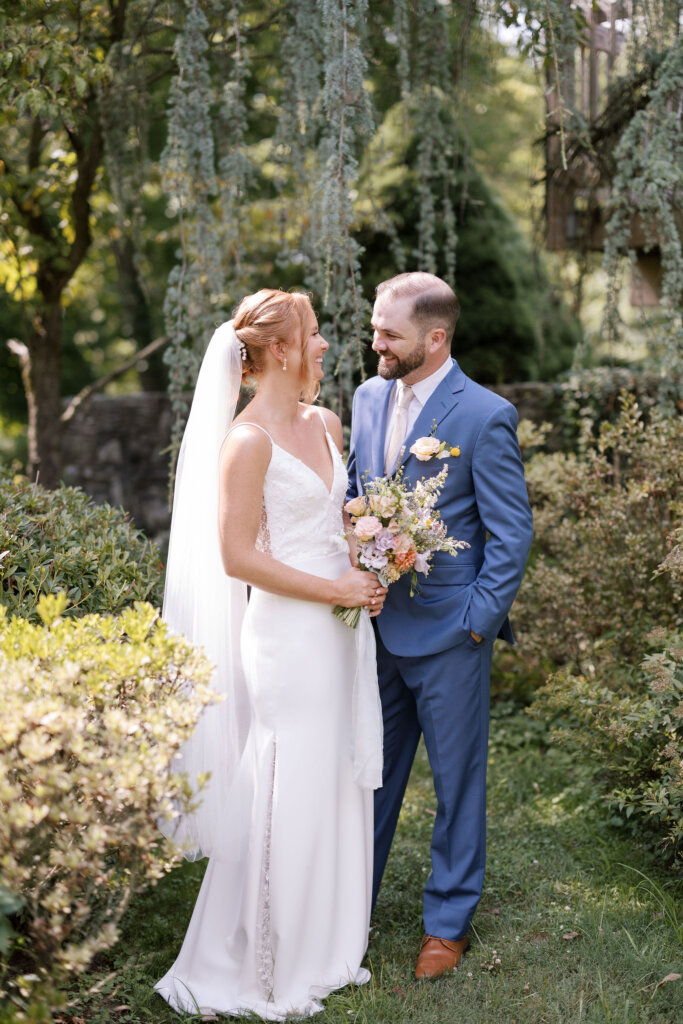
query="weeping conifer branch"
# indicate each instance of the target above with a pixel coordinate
(436, 164)
(235, 169)
(189, 181)
(346, 109)
(125, 123)
(402, 32)
(297, 128)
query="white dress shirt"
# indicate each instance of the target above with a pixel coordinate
(422, 392)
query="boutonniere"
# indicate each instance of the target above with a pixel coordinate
(426, 448)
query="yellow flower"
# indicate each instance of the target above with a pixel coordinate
(455, 451)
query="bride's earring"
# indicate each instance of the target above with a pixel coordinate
(284, 364)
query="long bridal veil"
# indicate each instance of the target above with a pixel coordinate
(207, 607)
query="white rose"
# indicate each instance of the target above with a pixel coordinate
(425, 448)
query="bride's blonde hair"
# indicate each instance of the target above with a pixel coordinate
(268, 316)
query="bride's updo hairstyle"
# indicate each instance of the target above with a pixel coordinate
(268, 316)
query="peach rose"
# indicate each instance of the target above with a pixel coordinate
(367, 528)
(405, 560)
(383, 504)
(425, 448)
(355, 507)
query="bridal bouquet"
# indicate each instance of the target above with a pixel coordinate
(397, 531)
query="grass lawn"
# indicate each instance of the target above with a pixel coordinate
(576, 923)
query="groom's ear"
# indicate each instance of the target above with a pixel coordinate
(436, 339)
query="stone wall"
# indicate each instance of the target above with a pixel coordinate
(116, 449)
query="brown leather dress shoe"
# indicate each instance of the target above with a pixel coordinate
(439, 956)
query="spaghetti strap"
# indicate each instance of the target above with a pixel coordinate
(322, 419)
(247, 423)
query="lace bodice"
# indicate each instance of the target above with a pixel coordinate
(300, 518)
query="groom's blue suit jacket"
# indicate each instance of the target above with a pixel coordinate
(484, 502)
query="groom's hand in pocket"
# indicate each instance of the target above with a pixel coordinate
(475, 636)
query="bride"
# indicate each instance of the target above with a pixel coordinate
(294, 747)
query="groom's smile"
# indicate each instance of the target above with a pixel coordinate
(396, 338)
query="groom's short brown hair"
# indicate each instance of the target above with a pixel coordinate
(435, 305)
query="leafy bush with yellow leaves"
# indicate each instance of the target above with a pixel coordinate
(92, 712)
(60, 540)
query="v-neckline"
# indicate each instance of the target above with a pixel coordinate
(301, 462)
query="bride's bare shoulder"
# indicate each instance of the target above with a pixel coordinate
(246, 439)
(332, 424)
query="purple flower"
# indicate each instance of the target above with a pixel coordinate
(372, 558)
(384, 541)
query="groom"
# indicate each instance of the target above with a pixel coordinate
(434, 650)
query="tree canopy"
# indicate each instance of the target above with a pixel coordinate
(162, 157)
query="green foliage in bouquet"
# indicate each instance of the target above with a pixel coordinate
(92, 712)
(60, 540)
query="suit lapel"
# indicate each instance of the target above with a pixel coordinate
(379, 428)
(438, 405)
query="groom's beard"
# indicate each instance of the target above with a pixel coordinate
(401, 367)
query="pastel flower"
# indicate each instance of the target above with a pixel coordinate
(384, 541)
(356, 507)
(422, 562)
(383, 504)
(373, 559)
(367, 527)
(404, 560)
(425, 448)
(402, 543)
(390, 574)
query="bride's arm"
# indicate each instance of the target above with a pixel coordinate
(243, 463)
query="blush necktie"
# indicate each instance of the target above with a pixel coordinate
(400, 427)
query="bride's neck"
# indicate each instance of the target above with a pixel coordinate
(277, 400)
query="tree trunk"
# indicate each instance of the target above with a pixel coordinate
(44, 396)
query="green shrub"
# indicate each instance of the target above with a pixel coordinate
(637, 738)
(604, 521)
(61, 540)
(92, 711)
(603, 587)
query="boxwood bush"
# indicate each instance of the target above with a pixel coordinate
(60, 540)
(92, 711)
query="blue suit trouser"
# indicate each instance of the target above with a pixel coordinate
(445, 697)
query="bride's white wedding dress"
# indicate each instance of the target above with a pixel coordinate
(287, 923)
